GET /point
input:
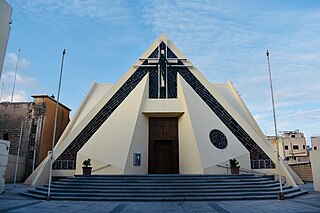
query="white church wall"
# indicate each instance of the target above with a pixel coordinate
(139, 142)
(98, 167)
(93, 97)
(162, 106)
(189, 156)
(110, 143)
(261, 141)
(139, 145)
(203, 121)
(244, 163)
(227, 93)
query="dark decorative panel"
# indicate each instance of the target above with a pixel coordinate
(163, 47)
(70, 152)
(218, 139)
(153, 83)
(257, 155)
(172, 82)
(162, 92)
(171, 78)
(170, 54)
(154, 54)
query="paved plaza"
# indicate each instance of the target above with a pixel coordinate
(11, 201)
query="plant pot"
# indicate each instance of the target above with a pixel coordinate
(86, 170)
(235, 170)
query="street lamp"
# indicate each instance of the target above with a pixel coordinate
(281, 194)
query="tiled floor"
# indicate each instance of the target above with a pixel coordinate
(11, 201)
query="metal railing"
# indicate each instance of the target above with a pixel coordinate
(262, 164)
(250, 171)
(102, 167)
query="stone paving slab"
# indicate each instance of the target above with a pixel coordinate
(11, 201)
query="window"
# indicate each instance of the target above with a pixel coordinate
(304, 146)
(286, 147)
(293, 136)
(218, 139)
(315, 148)
(286, 159)
(295, 147)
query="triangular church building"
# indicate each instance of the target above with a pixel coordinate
(162, 117)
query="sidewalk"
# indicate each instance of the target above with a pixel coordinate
(11, 201)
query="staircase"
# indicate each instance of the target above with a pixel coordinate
(163, 188)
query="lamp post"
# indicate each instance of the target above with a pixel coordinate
(281, 194)
(55, 126)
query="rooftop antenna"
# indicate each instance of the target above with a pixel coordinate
(15, 75)
(281, 194)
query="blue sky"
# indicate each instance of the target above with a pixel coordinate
(224, 40)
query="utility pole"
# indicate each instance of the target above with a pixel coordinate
(55, 126)
(281, 194)
(15, 76)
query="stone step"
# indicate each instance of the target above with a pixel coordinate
(162, 190)
(147, 177)
(102, 183)
(168, 188)
(162, 181)
(296, 194)
(172, 194)
(66, 186)
(163, 176)
(155, 199)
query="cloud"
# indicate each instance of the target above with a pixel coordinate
(11, 61)
(23, 80)
(19, 96)
(71, 12)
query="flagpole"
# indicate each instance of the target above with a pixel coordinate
(15, 75)
(281, 194)
(55, 126)
(1, 91)
(18, 154)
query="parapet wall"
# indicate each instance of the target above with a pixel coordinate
(303, 170)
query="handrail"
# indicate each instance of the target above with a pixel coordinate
(250, 171)
(102, 167)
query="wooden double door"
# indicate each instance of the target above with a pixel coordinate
(163, 146)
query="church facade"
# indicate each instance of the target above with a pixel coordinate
(162, 117)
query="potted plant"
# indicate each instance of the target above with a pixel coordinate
(235, 169)
(86, 169)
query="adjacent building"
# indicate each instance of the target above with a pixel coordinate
(5, 21)
(161, 117)
(32, 124)
(292, 146)
(315, 141)
(295, 147)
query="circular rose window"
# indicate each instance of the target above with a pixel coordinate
(218, 139)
